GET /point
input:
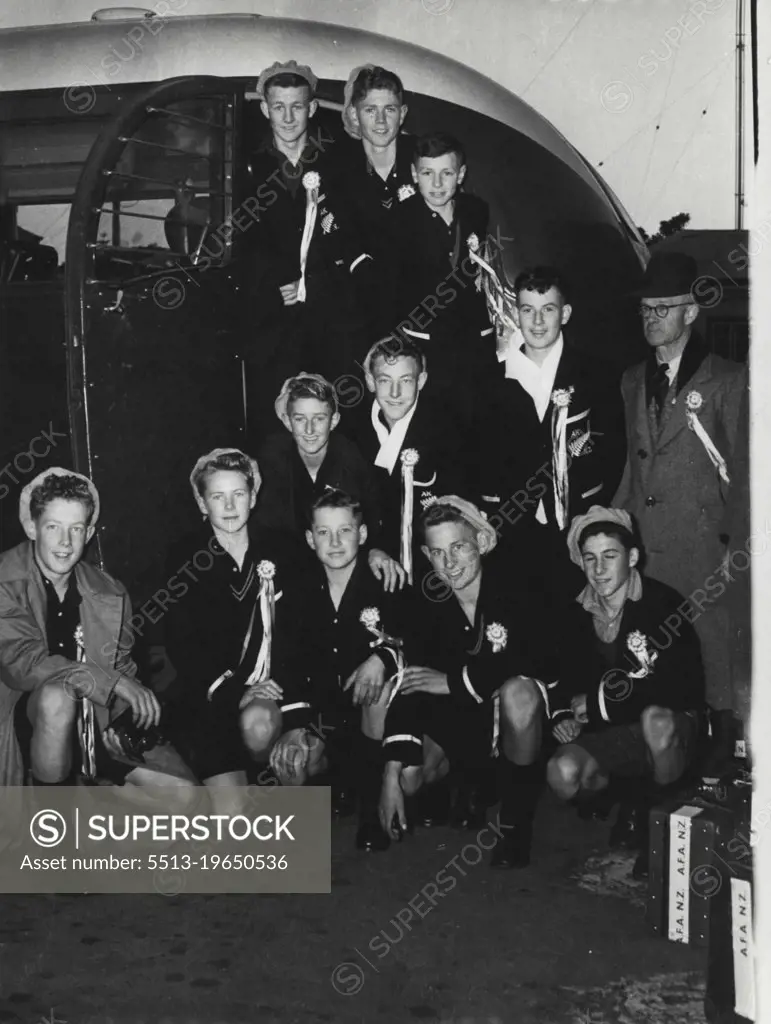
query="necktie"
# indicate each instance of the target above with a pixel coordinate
(660, 386)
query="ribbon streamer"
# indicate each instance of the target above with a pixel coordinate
(409, 459)
(394, 645)
(496, 723)
(716, 458)
(499, 299)
(559, 421)
(311, 211)
(86, 726)
(267, 602)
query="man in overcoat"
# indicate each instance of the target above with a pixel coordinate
(683, 412)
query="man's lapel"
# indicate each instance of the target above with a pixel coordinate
(693, 374)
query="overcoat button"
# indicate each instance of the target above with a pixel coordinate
(650, 501)
(642, 453)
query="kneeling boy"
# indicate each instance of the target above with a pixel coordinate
(630, 701)
(475, 657)
(349, 625)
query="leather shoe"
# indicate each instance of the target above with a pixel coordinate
(512, 850)
(371, 838)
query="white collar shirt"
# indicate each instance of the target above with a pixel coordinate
(391, 441)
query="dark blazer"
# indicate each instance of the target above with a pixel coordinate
(434, 264)
(675, 681)
(334, 641)
(207, 623)
(370, 207)
(516, 457)
(274, 241)
(442, 468)
(443, 638)
(287, 490)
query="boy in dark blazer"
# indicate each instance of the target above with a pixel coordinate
(437, 227)
(630, 699)
(554, 430)
(405, 423)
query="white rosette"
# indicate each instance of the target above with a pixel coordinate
(86, 720)
(405, 191)
(498, 636)
(409, 459)
(370, 619)
(561, 399)
(693, 403)
(637, 643)
(312, 184)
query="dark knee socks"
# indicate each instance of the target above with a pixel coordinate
(520, 786)
(369, 769)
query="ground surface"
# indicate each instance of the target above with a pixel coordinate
(563, 942)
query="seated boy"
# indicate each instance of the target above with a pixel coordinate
(630, 700)
(473, 657)
(401, 419)
(310, 458)
(345, 619)
(439, 301)
(64, 638)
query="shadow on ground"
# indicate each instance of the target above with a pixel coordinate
(562, 942)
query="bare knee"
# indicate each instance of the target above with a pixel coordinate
(52, 707)
(260, 725)
(564, 774)
(521, 701)
(658, 726)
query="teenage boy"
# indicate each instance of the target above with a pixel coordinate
(401, 420)
(348, 624)
(476, 661)
(554, 425)
(440, 303)
(300, 268)
(375, 169)
(685, 416)
(65, 639)
(630, 700)
(310, 458)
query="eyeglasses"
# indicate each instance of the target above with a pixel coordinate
(661, 310)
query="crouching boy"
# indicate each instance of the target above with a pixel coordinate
(630, 701)
(65, 653)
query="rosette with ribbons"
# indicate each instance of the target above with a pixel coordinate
(266, 600)
(409, 458)
(637, 643)
(694, 402)
(86, 720)
(561, 398)
(312, 184)
(370, 619)
(500, 299)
